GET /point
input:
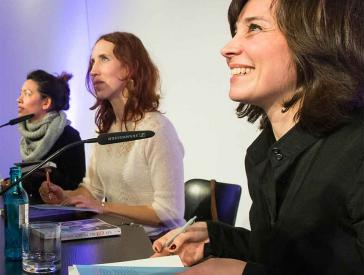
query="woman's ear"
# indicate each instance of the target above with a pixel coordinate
(130, 85)
(125, 73)
(46, 103)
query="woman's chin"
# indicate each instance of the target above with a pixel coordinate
(238, 97)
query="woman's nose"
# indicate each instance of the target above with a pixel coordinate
(233, 47)
(94, 70)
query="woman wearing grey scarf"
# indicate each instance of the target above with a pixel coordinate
(46, 96)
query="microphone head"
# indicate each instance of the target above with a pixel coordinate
(117, 137)
(20, 119)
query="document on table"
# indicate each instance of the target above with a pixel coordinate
(160, 265)
(61, 207)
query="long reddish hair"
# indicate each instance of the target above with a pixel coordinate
(143, 93)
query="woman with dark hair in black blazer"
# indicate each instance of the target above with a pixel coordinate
(297, 65)
(46, 96)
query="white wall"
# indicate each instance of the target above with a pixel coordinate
(41, 34)
(183, 38)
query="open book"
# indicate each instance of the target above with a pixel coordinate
(84, 229)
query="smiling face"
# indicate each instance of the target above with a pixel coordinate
(263, 72)
(31, 101)
(109, 75)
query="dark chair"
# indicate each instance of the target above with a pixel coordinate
(198, 200)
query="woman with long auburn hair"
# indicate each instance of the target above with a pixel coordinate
(143, 179)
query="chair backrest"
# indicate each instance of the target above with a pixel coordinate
(198, 200)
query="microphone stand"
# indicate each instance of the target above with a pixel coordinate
(17, 120)
(102, 139)
(55, 154)
(5, 124)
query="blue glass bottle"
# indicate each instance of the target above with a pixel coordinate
(16, 205)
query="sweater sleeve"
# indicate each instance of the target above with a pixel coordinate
(164, 155)
(227, 241)
(231, 242)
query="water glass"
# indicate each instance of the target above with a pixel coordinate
(41, 247)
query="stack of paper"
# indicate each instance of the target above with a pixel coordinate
(161, 266)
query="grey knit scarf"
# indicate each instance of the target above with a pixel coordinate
(37, 138)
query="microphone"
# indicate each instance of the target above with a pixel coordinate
(107, 138)
(123, 136)
(17, 120)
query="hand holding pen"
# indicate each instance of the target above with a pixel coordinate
(181, 230)
(186, 242)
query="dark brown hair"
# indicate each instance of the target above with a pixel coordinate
(143, 96)
(54, 86)
(327, 43)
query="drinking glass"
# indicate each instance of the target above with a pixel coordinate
(41, 247)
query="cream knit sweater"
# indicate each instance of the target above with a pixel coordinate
(142, 172)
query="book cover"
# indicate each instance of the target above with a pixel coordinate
(84, 229)
(88, 228)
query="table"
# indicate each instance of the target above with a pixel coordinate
(131, 245)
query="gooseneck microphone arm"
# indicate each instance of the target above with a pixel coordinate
(17, 120)
(108, 138)
(54, 155)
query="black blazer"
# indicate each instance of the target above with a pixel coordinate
(70, 166)
(307, 214)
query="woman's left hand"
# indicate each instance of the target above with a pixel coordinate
(85, 202)
(217, 266)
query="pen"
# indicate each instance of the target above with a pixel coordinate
(181, 230)
(48, 182)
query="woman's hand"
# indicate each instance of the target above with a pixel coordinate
(217, 266)
(4, 183)
(188, 245)
(51, 193)
(84, 201)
